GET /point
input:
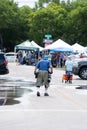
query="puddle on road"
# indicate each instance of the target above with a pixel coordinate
(11, 89)
(82, 87)
(12, 102)
(17, 82)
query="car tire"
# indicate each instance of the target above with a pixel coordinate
(83, 73)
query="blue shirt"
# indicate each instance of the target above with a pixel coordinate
(43, 65)
(61, 56)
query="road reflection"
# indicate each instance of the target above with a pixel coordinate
(12, 102)
(11, 89)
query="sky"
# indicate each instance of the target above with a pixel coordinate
(26, 2)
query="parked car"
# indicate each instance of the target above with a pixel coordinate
(11, 56)
(3, 64)
(80, 68)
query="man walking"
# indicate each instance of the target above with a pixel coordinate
(43, 67)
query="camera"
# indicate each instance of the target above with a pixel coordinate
(36, 74)
(49, 77)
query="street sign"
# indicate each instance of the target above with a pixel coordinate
(47, 40)
(48, 36)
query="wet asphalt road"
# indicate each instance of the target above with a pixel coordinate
(64, 109)
(21, 80)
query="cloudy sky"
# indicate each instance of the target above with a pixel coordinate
(26, 2)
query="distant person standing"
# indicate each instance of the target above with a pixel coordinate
(68, 67)
(57, 59)
(43, 66)
(19, 57)
(29, 57)
(49, 55)
(81, 55)
(61, 59)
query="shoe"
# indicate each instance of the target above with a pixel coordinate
(38, 94)
(46, 94)
(70, 81)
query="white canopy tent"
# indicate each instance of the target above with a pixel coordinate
(86, 49)
(59, 45)
(78, 48)
(36, 45)
(30, 46)
(27, 45)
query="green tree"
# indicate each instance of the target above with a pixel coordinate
(13, 23)
(65, 20)
(8, 20)
(76, 26)
(24, 13)
(49, 20)
(40, 3)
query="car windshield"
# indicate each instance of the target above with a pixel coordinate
(10, 54)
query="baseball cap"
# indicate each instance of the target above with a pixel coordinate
(45, 57)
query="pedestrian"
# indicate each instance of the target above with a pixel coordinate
(68, 68)
(81, 55)
(57, 59)
(19, 57)
(49, 55)
(61, 59)
(43, 67)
